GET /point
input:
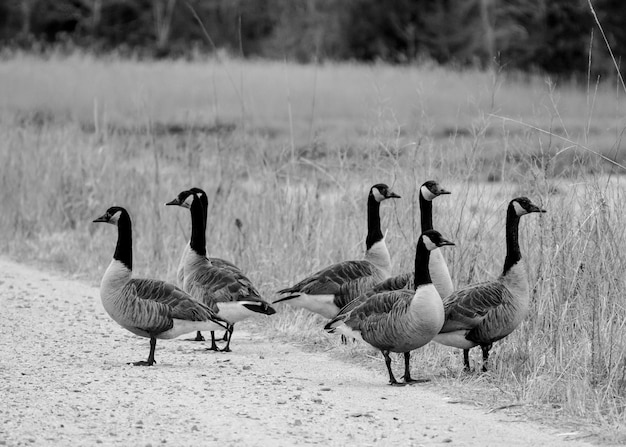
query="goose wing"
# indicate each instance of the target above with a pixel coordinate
(224, 264)
(467, 308)
(351, 290)
(215, 284)
(330, 280)
(402, 281)
(160, 303)
(377, 317)
(350, 306)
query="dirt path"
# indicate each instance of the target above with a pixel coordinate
(64, 381)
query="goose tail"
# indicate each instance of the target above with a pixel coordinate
(260, 307)
(286, 298)
(333, 324)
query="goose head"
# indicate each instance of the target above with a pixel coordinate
(431, 189)
(433, 239)
(112, 215)
(523, 205)
(381, 192)
(183, 199)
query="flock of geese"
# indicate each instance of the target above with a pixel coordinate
(360, 297)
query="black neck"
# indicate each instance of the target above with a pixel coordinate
(198, 227)
(513, 254)
(124, 247)
(422, 258)
(426, 213)
(374, 234)
(205, 208)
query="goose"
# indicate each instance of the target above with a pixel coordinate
(222, 285)
(147, 307)
(184, 200)
(328, 290)
(437, 265)
(483, 313)
(398, 320)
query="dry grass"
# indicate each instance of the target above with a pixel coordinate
(291, 151)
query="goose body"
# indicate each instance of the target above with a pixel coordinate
(437, 265)
(398, 320)
(328, 290)
(483, 313)
(147, 307)
(216, 262)
(216, 283)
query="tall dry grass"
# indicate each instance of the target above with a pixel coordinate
(290, 151)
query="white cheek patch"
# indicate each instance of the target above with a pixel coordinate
(430, 245)
(519, 209)
(187, 202)
(427, 193)
(377, 195)
(115, 217)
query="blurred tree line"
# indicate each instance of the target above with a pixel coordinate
(549, 35)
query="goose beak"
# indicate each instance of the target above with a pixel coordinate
(392, 195)
(536, 209)
(442, 191)
(173, 202)
(104, 218)
(444, 242)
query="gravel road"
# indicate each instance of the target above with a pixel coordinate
(65, 381)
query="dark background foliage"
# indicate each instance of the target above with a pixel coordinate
(553, 36)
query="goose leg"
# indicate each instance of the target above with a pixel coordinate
(344, 340)
(199, 337)
(407, 371)
(466, 360)
(213, 344)
(392, 379)
(231, 328)
(485, 349)
(225, 337)
(151, 360)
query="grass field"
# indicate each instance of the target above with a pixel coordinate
(291, 151)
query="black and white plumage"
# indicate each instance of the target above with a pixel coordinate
(328, 290)
(147, 307)
(184, 200)
(398, 320)
(437, 265)
(483, 313)
(210, 282)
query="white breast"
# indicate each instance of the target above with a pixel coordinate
(378, 254)
(115, 278)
